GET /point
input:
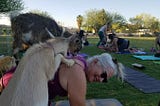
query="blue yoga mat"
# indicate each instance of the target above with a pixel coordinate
(127, 52)
(83, 55)
(146, 57)
(141, 81)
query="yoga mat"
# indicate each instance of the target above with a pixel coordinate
(83, 55)
(92, 102)
(127, 52)
(141, 81)
(139, 52)
(146, 57)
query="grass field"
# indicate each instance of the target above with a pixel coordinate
(125, 93)
(6, 45)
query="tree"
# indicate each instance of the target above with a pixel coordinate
(155, 26)
(146, 21)
(137, 21)
(11, 5)
(96, 18)
(118, 22)
(79, 21)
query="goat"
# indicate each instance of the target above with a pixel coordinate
(28, 86)
(29, 28)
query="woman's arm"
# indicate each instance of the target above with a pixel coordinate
(73, 80)
(77, 86)
(115, 44)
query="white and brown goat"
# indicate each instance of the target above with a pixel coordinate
(28, 86)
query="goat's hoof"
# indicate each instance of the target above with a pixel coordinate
(70, 62)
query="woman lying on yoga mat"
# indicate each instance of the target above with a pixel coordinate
(116, 44)
(71, 81)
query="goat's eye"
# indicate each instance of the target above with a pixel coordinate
(77, 41)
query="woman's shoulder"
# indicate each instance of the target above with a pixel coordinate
(79, 60)
(78, 67)
(73, 74)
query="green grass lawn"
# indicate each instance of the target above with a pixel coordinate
(124, 92)
(6, 45)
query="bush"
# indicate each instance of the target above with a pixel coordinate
(146, 35)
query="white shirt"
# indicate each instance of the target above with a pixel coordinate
(103, 29)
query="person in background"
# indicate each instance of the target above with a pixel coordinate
(84, 38)
(72, 81)
(102, 34)
(157, 41)
(116, 44)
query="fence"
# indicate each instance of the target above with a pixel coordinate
(6, 45)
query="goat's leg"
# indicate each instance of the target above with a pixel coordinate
(68, 62)
(57, 61)
(60, 58)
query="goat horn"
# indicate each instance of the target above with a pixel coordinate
(51, 35)
(63, 30)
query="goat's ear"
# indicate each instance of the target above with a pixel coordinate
(51, 35)
(63, 30)
(81, 33)
(71, 37)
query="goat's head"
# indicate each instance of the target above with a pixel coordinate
(75, 44)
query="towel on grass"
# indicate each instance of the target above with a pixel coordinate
(141, 81)
(146, 57)
(92, 102)
(128, 52)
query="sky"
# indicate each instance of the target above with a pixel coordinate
(66, 11)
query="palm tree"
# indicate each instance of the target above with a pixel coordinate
(79, 21)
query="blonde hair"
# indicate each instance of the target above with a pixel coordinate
(105, 60)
